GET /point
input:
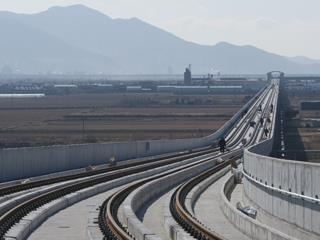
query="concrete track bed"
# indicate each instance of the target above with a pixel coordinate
(146, 193)
(33, 220)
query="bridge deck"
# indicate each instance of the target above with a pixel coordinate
(70, 223)
(153, 217)
(208, 211)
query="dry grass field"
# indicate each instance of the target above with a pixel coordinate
(83, 118)
(308, 137)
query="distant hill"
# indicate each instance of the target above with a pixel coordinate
(304, 60)
(80, 39)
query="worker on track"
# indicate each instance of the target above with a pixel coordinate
(261, 121)
(268, 120)
(222, 145)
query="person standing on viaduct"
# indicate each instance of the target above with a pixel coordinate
(222, 145)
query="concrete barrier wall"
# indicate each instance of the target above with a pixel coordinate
(294, 177)
(277, 223)
(288, 190)
(247, 225)
(19, 163)
(151, 190)
(195, 193)
(33, 220)
(29, 162)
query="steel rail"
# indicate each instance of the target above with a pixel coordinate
(6, 190)
(180, 213)
(177, 203)
(14, 215)
(8, 219)
(109, 223)
(39, 183)
(111, 226)
(264, 115)
(249, 116)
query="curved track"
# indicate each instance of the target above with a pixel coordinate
(177, 204)
(111, 226)
(19, 187)
(13, 215)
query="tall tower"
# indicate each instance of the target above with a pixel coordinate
(187, 76)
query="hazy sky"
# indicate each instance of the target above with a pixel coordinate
(287, 27)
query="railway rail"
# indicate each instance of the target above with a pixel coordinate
(177, 204)
(110, 224)
(6, 190)
(12, 216)
(22, 186)
(89, 179)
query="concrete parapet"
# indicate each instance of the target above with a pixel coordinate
(245, 224)
(144, 194)
(277, 223)
(195, 193)
(22, 230)
(173, 229)
(286, 189)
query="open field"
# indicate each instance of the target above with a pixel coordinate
(82, 118)
(299, 132)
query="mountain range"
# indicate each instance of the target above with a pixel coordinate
(80, 39)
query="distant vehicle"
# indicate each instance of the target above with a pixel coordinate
(252, 123)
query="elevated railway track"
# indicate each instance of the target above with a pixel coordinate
(177, 205)
(109, 221)
(112, 228)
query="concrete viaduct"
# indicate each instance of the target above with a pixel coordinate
(285, 193)
(287, 190)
